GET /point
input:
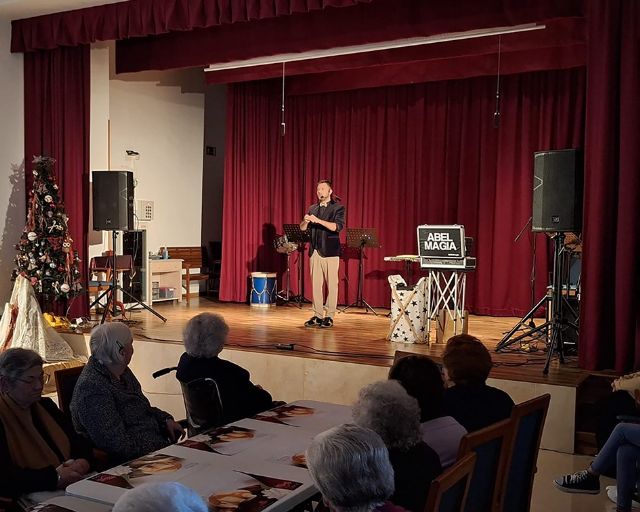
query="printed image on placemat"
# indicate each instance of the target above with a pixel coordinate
(224, 440)
(252, 498)
(150, 465)
(284, 414)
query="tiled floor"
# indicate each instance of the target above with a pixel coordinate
(546, 498)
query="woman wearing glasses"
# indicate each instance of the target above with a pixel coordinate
(38, 448)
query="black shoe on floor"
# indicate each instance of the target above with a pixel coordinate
(326, 323)
(314, 321)
(580, 482)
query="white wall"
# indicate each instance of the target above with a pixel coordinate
(161, 116)
(12, 194)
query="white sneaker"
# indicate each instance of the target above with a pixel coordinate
(612, 493)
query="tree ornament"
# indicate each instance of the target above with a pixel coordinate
(64, 288)
(32, 235)
(48, 198)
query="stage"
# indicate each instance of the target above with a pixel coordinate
(334, 364)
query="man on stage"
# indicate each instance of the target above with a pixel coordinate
(325, 219)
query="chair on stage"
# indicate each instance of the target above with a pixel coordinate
(448, 492)
(528, 422)
(102, 287)
(491, 446)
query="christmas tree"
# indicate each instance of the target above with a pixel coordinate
(45, 251)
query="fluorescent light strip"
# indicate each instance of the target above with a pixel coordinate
(373, 47)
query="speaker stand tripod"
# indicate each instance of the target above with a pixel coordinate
(554, 329)
(114, 287)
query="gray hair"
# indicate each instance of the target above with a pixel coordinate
(160, 497)
(205, 334)
(386, 408)
(350, 466)
(108, 341)
(15, 361)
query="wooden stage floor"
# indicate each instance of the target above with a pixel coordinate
(356, 337)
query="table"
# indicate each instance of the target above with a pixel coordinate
(257, 459)
(167, 273)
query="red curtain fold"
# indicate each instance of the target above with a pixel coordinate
(139, 18)
(399, 157)
(610, 312)
(380, 20)
(56, 115)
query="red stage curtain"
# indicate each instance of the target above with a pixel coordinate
(399, 157)
(56, 116)
(610, 313)
(380, 20)
(138, 18)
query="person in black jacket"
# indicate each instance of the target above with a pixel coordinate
(39, 450)
(387, 409)
(204, 339)
(468, 399)
(324, 220)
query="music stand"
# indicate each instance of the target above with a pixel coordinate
(297, 236)
(360, 238)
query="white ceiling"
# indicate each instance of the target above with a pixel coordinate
(17, 9)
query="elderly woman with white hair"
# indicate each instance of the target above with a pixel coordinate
(350, 466)
(386, 408)
(160, 497)
(204, 338)
(108, 406)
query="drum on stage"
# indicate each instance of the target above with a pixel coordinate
(263, 289)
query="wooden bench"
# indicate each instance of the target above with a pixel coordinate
(191, 259)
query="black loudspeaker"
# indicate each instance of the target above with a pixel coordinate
(557, 191)
(112, 200)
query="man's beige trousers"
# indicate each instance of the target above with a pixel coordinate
(324, 270)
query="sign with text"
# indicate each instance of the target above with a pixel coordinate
(441, 241)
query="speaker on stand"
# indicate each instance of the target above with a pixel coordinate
(557, 209)
(113, 198)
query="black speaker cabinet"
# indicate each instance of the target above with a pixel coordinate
(112, 200)
(557, 191)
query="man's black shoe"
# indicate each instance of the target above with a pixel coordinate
(314, 321)
(326, 323)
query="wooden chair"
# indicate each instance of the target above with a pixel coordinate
(448, 492)
(528, 422)
(65, 383)
(491, 446)
(192, 259)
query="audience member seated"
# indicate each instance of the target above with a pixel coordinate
(108, 406)
(422, 379)
(350, 467)
(387, 409)
(622, 402)
(622, 449)
(204, 339)
(468, 399)
(160, 497)
(39, 450)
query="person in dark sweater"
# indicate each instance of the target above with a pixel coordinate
(108, 405)
(387, 409)
(469, 400)
(422, 379)
(39, 450)
(204, 339)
